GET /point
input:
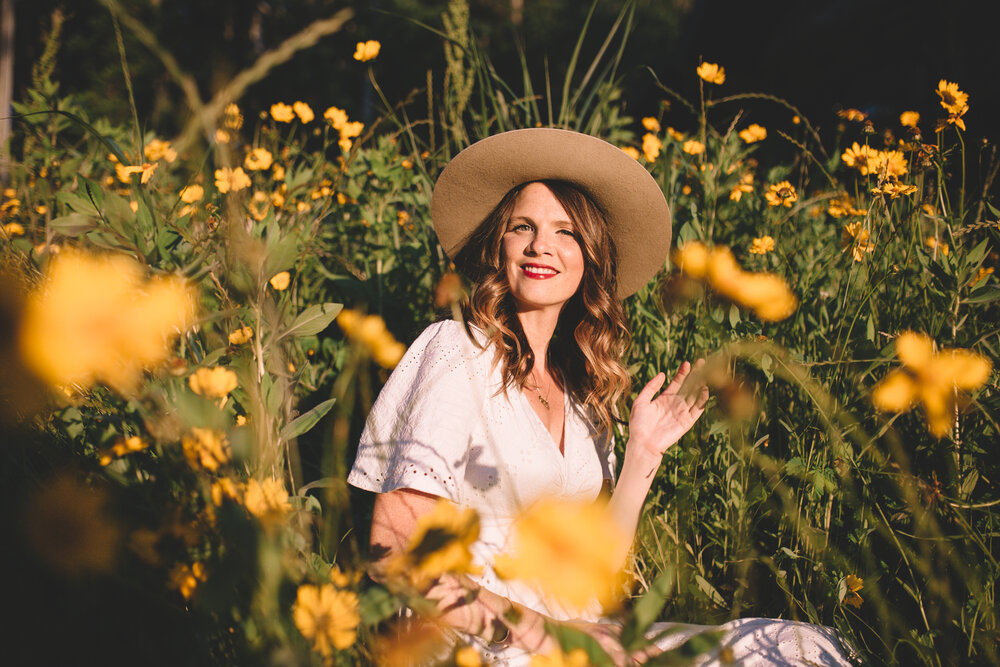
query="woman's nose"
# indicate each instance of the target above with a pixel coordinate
(539, 244)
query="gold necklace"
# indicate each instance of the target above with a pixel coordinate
(544, 400)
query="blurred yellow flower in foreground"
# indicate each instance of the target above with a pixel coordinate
(440, 544)
(651, 146)
(214, 382)
(226, 488)
(857, 238)
(468, 656)
(574, 658)
(937, 246)
(693, 147)
(232, 118)
(13, 229)
(569, 550)
(185, 578)
(303, 111)
(328, 618)
(781, 194)
(767, 294)
(762, 245)
(651, 124)
(281, 281)
(68, 526)
(849, 590)
(932, 378)
(192, 194)
(241, 336)
(712, 73)
(258, 159)
(366, 51)
(370, 331)
(753, 133)
(234, 180)
(121, 448)
(909, 118)
(206, 447)
(96, 318)
(267, 500)
(157, 149)
(282, 113)
(336, 117)
(674, 134)
(743, 187)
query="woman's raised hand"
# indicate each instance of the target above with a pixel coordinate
(657, 422)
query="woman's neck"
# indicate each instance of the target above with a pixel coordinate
(538, 327)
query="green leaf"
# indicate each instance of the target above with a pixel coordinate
(281, 256)
(303, 423)
(709, 590)
(570, 638)
(77, 203)
(313, 319)
(73, 224)
(647, 609)
(376, 605)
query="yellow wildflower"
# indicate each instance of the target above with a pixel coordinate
(692, 259)
(857, 238)
(234, 180)
(569, 550)
(282, 113)
(983, 272)
(849, 591)
(221, 136)
(125, 172)
(762, 245)
(336, 117)
(909, 118)
(440, 544)
(278, 173)
(712, 73)
(13, 229)
(753, 134)
(192, 194)
(781, 194)
(674, 134)
(258, 159)
(214, 382)
(855, 115)
(744, 186)
(185, 578)
(953, 100)
(267, 500)
(232, 118)
(768, 295)
(259, 204)
(303, 111)
(575, 658)
(226, 488)
(121, 448)
(693, 147)
(892, 187)
(68, 526)
(937, 246)
(631, 151)
(371, 332)
(651, 146)
(280, 281)
(651, 124)
(241, 336)
(366, 51)
(206, 447)
(932, 378)
(159, 150)
(328, 618)
(841, 206)
(352, 129)
(97, 318)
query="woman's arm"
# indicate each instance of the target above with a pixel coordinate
(655, 425)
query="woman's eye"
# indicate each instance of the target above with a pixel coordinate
(568, 232)
(520, 227)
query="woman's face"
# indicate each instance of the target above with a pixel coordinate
(541, 254)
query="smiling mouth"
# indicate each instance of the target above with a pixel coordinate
(538, 272)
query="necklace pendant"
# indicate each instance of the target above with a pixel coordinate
(545, 403)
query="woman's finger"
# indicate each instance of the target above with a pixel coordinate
(679, 378)
(653, 386)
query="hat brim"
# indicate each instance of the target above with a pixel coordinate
(475, 181)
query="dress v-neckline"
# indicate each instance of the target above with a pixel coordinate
(538, 421)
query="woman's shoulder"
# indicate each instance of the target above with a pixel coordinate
(446, 341)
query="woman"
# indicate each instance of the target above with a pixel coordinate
(517, 403)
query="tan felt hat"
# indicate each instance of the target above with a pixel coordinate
(476, 179)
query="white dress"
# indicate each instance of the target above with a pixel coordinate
(444, 425)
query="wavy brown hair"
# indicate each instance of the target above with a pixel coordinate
(592, 333)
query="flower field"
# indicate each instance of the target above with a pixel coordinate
(194, 328)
